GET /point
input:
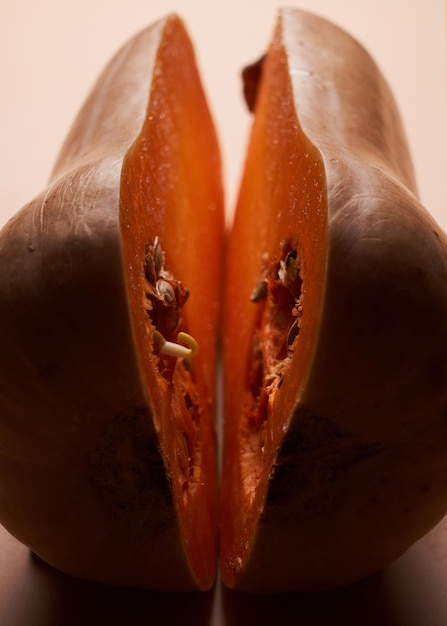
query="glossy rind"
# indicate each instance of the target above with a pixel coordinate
(356, 469)
(86, 480)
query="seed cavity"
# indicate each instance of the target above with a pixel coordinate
(280, 292)
(279, 296)
(164, 297)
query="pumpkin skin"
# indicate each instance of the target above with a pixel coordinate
(107, 448)
(335, 432)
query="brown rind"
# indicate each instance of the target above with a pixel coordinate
(85, 482)
(359, 473)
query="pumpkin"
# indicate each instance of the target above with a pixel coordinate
(107, 438)
(334, 330)
(335, 327)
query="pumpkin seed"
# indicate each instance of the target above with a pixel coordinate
(260, 292)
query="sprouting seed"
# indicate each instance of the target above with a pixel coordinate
(169, 348)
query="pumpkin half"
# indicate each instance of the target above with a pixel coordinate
(335, 327)
(107, 442)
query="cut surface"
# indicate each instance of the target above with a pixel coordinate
(172, 224)
(274, 288)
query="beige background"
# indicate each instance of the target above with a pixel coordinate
(50, 53)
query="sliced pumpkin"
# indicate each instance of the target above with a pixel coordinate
(335, 327)
(107, 439)
(334, 330)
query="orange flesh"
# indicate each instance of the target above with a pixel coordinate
(171, 172)
(281, 208)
